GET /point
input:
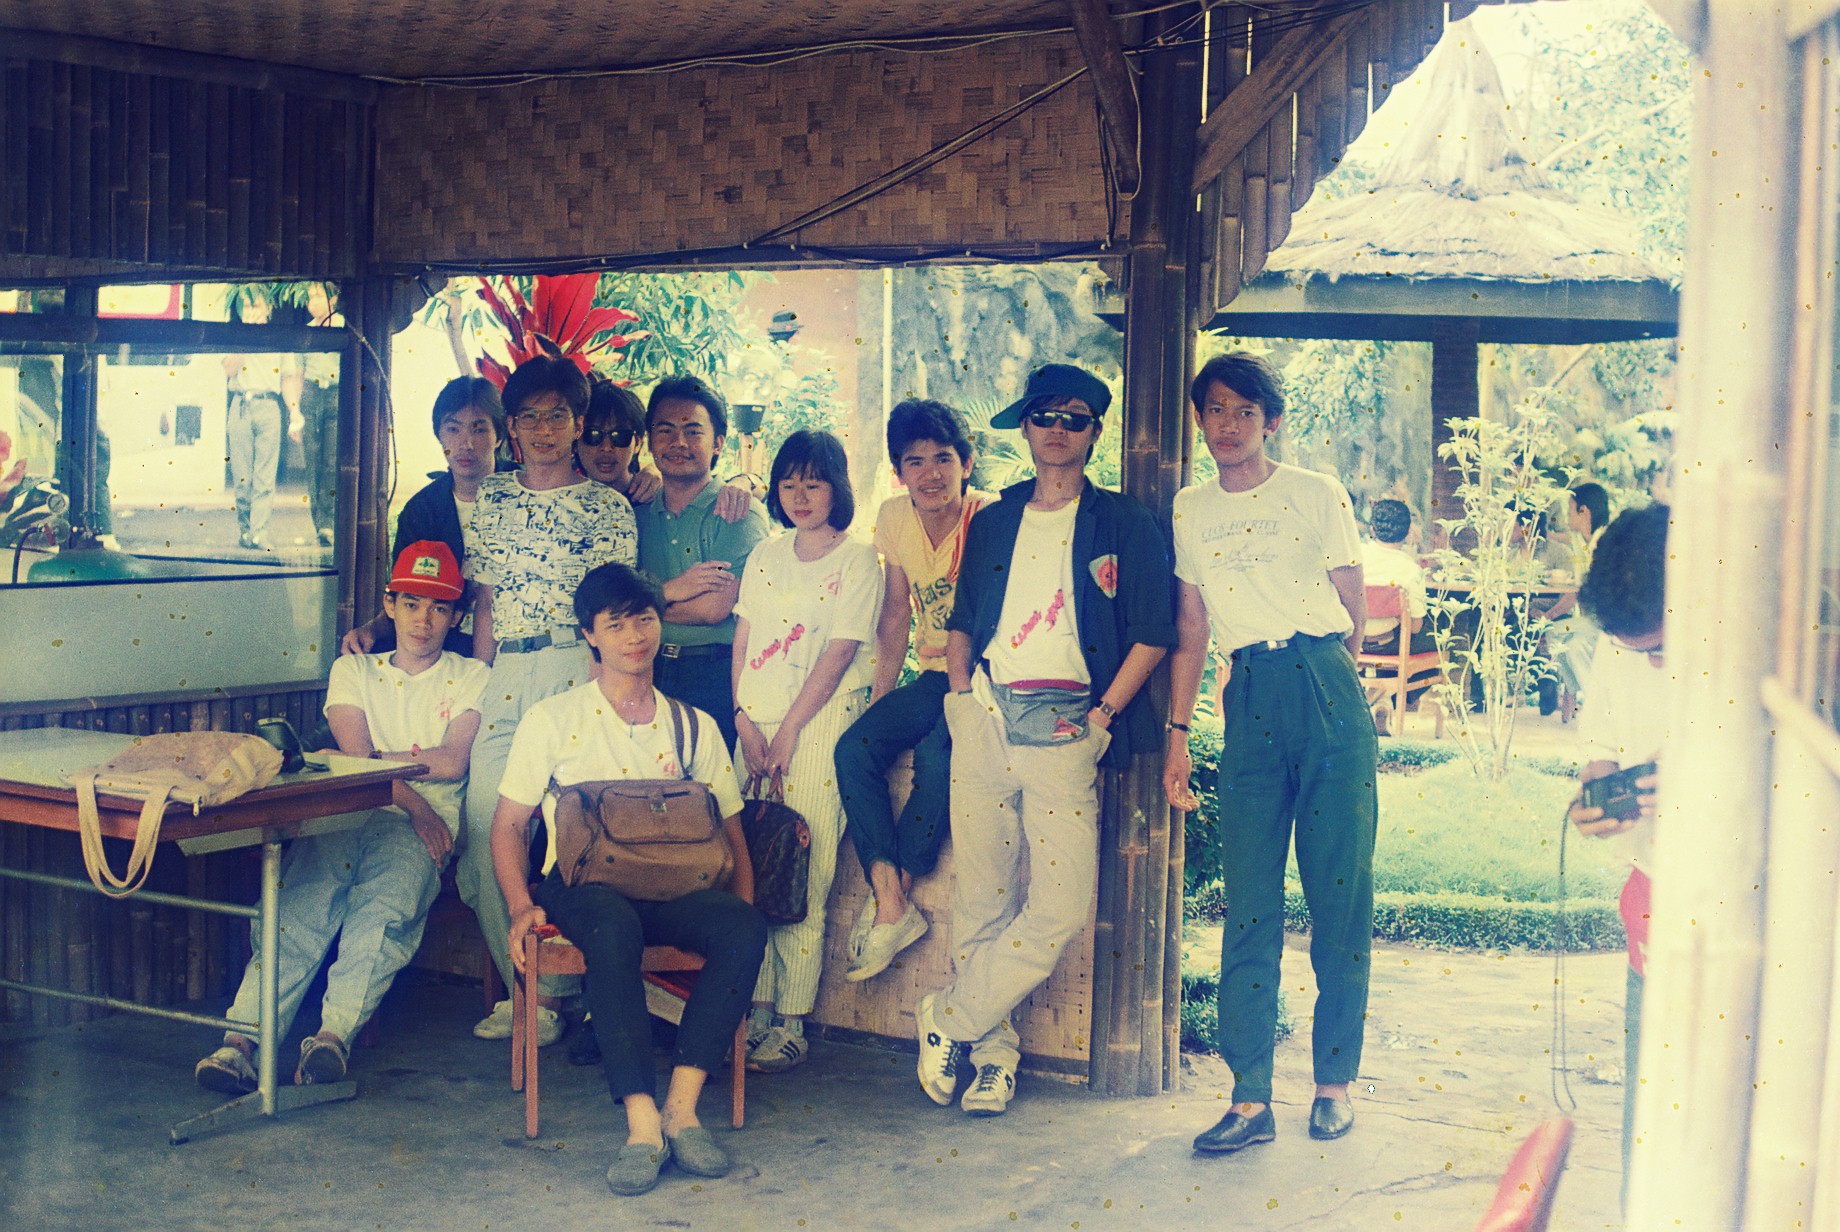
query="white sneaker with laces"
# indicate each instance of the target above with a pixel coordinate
(778, 1051)
(939, 1054)
(989, 1093)
(497, 1024)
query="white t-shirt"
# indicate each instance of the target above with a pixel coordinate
(1262, 558)
(578, 736)
(533, 549)
(405, 711)
(1382, 564)
(1036, 636)
(1626, 719)
(793, 607)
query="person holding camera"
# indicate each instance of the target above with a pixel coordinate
(1624, 731)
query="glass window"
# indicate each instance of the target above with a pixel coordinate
(35, 299)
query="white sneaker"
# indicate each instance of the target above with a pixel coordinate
(882, 942)
(497, 1024)
(778, 1051)
(939, 1054)
(859, 931)
(989, 1093)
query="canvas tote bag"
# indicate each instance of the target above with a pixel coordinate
(200, 768)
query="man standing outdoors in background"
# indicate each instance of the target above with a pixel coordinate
(261, 387)
(686, 544)
(1269, 556)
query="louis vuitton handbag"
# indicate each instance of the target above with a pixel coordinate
(779, 845)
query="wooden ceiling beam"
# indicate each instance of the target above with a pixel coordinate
(1103, 52)
(1253, 103)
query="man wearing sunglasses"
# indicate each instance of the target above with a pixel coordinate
(1063, 609)
(538, 532)
(694, 548)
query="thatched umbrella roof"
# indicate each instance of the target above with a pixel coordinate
(1457, 199)
(1457, 225)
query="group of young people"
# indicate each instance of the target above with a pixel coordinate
(603, 593)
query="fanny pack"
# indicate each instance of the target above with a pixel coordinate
(1043, 714)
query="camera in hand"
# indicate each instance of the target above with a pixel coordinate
(1616, 793)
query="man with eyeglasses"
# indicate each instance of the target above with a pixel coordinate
(688, 544)
(1268, 556)
(1627, 724)
(1062, 612)
(538, 532)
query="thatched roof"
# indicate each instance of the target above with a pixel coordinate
(1456, 199)
(417, 38)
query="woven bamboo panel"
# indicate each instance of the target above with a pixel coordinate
(1055, 1022)
(127, 948)
(112, 170)
(667, 163)
(412, 38)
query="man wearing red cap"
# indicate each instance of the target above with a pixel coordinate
(371, 886)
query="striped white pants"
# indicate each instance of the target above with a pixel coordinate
(795, 952)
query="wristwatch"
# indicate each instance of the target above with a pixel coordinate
(1105, 708)
(1174, 726)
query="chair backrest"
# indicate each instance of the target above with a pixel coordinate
(1386, 601)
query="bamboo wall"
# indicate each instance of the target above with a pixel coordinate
(112, 168)
(671, 162)
(84, 942)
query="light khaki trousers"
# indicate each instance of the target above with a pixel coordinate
(1025, 843)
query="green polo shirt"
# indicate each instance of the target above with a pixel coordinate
(669, 543)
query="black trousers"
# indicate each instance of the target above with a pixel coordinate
(611, 930)
(701, 680)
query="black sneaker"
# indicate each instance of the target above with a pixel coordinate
(584, 1049)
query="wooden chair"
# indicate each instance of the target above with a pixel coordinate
(548, 952)
(1393, 674)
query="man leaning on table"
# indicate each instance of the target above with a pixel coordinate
(1269, 557)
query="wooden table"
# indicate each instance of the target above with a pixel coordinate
(33, 769)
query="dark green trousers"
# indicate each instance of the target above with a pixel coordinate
(1299, 754)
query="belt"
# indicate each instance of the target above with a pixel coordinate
(1298, 641)
(670, 650)
(542, 641)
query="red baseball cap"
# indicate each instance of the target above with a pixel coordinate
(428, 568)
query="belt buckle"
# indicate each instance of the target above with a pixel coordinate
(669, 650)
(562, 635)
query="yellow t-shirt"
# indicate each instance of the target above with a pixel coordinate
(932, 571)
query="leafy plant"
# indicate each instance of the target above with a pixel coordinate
(560, 319)
(1504, 492)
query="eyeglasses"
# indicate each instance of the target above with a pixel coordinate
(545, 419)
(1070, 420)
(594, 438)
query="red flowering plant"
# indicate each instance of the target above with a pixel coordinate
(560, 319)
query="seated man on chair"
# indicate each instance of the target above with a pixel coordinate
(1385, 563)
(371, 886)
(617, 726)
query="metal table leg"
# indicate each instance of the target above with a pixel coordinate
(269, 1097)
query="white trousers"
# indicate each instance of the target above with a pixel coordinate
(794, 959)
(371, 888)
(1025, 846)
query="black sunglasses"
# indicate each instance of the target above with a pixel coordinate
(593, 438)
(1073, 421)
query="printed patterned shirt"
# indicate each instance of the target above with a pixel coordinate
(535, 547)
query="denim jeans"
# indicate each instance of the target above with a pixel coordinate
(910, 717)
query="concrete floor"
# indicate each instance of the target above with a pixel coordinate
(1455, 1074)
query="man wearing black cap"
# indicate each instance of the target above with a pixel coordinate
(1063, 610)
